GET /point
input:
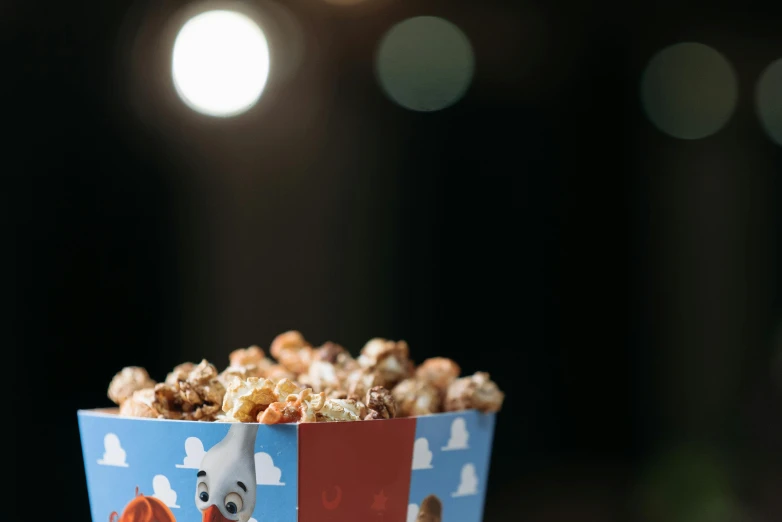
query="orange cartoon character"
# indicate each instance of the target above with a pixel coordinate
(144, 509)
(431, 510)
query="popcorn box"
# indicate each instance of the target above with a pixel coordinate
(429, 468)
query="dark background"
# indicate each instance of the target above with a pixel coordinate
(620, 285)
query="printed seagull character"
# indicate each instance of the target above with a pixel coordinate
(225, 483)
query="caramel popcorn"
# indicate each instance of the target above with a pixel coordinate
(278, 413)
(246, 356)
(476, 391)
(416, 397)
(336, 355)
(278, 372)
(195, 395)
(127, 382)
(296, 407)
(311, 405)
(286, 387)
(330, 367)
(380, 404)
(245, 399)
(292, 351)
(242, 372)
(305, 384)
(342, 394)
(438, 371)
(179, 373)
(140, 404)
(322, 376)
(247, 362)
(359, 382)
(334, 410)
(330, 353)
(388, 358)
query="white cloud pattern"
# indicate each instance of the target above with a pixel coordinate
(162, 490)
(194, 453)
(459, 435)
(469, 482)
(113, 454)
(266, 474)
(422, 456)
(412, 512)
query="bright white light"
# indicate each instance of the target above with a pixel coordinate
(220, 63)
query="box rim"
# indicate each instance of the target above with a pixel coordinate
(113, 413)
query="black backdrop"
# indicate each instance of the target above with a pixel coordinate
(522, 231)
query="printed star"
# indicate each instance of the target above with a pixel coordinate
(380, 501)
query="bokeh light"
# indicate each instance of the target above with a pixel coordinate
(220, 63)
(769, 100)
(285, 38)
(689, 484)
(689, 90)
(425, 63)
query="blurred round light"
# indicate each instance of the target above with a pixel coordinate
(425, 63)
(285, 38)
(220, 63)
(769, 100)
(689, 90)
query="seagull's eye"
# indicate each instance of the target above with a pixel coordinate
(202, 491)
(233, 503)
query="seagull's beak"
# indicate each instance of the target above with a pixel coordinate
(212, 514)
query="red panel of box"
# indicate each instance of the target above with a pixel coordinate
(355, 471)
